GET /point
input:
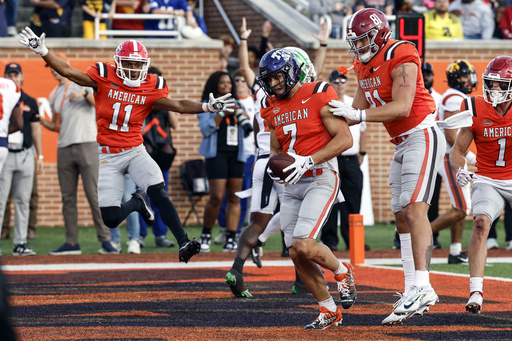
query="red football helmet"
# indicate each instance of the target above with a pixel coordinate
(367, 31)
(132, 50)
(498, 72)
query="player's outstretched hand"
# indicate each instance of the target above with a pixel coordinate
(463, 177)
(33, 42)
(223, 103)
(300, 166)
(342, 109)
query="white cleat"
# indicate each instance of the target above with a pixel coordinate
(474, 304)
(417, 301)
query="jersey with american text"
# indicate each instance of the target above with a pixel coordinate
(297, 121)
(376, 83)
(120, 109)
(493, 138)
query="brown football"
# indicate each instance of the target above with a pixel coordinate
(278, 162)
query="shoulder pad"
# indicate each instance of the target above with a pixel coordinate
(320, 87)
(102, 69)
(390, 52)
(160, 83)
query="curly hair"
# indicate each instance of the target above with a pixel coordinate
(212, 85)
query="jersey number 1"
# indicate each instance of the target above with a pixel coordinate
(128, 112)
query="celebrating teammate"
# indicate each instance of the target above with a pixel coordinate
(300, 123)
(124, 95)
(492, 181)
(390, 90)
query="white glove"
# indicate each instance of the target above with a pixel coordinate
(471, 157)
(301, 165)
(345, 110)
(223, 103)
(273, 177)
(463, 177)
(33, 42)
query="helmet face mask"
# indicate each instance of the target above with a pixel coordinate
(280, 65)
(367, 32)
(498, 71)
(132, 63)
(456, 71)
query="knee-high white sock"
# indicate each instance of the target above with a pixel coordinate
(273, 226)
(407, 260)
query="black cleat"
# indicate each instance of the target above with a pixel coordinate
(256, 254)
(235, 280)
(146, 212)
(461, 258)
(189, 249)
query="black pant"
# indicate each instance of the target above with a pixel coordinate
(351, 180)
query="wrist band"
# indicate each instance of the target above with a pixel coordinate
(323, 45)
(205, 107)
(221, 113)
(243, 38)
(40, 157)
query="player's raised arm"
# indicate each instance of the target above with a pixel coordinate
(36, 44)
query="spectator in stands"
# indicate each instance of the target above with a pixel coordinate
(179, 8)
(199, 20)
(227, 49)
(505, 25)
(335, 9)
(129, 7)
(157, 134)
(476, 17)
(223, 62)
(132, 223)
(385, 6)
(52, 17)
(11, 12)
(406, 6)
(91, 10)
(223, 149)
(247, 104)
(3, 19)
(21, 164)
(265, 45)
(74, 117)
(441, 24)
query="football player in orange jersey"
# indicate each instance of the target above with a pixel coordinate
(124, 95)
(390, 90)
(492, 182)
(300, 124)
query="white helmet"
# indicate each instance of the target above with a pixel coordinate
(308, 73)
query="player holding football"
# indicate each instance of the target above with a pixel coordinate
(124, 95)
(390, 90)
(300, 123)
(491, 130)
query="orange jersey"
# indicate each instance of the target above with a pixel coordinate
(297, 120)
(120, 109)
(375, 81)
(493, 139)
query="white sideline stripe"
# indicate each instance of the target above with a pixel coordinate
(376, 262)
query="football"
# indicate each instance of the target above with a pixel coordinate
(278, 162)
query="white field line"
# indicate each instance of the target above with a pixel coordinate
(370, 262)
